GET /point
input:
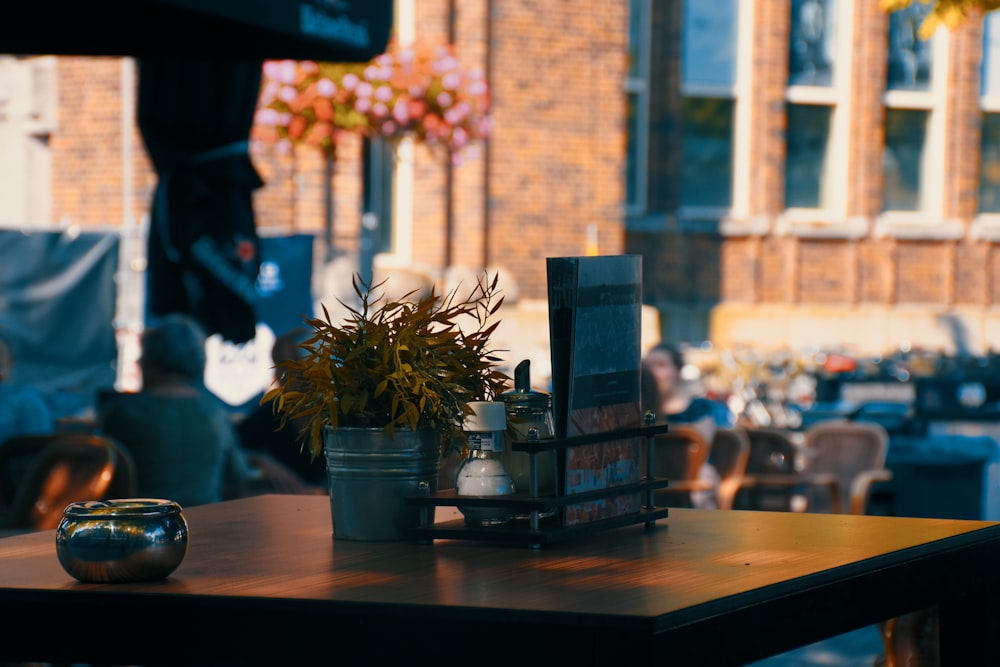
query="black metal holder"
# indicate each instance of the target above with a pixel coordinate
(535, 530)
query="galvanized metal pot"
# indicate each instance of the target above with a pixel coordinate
(370, 475)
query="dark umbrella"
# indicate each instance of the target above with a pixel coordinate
(203, 251)
(195, 117)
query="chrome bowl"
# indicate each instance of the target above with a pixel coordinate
(113, 541)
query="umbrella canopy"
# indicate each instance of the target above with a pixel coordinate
(203, 250)
(328, 30)
(199, 78)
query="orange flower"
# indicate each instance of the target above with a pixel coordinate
(296, 127)
(324, 109)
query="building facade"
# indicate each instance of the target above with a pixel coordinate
(794, 173)
(817, 174)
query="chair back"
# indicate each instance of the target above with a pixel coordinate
(730, 452)
(678, 456)
(40, 475)
(679, 453)
(729, 455)
(772, 467)
(771, 452)
(846, 450)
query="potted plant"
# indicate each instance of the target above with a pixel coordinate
(383, 393)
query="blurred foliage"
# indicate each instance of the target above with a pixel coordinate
(949, 13)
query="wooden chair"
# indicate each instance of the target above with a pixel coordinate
(772, 471)
(729, 455)
(852, 453)
(41, 474)
(678, 456)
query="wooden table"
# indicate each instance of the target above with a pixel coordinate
(264, 583)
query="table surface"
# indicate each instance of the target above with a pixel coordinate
(764, 581)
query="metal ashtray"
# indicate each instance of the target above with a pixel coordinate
(113, 541)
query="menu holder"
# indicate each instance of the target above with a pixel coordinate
(595, 327)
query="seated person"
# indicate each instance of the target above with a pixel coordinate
(666, 395)
(180, 435)
(23, 410)
(259, 431)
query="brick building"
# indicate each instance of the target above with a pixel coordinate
(793, 172)
(819, 183)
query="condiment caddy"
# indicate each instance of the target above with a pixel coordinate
(542, 524)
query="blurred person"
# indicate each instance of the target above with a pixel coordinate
(259, 431)
(672, 400)
(180, 435)
(23, 410)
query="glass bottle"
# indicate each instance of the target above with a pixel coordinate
(529, 417)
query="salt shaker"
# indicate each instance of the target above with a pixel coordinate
(483, 472)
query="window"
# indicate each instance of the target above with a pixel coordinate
(806, 162)
(989, 161)
(637, 106)
(914, 122)
(902, 158)
(707, 146)
(909, 56)
(816, 134)
(812, 43)
(709, 86)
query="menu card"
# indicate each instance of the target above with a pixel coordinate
(595, 318)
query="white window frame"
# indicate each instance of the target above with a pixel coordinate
(832, 219)
(928, 221)
(28, 112)
(401, 255)
(638, 85)
(987, 225)
(735, 216)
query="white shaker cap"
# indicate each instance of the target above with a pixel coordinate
(486, 416)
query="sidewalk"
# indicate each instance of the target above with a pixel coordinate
(859, 648)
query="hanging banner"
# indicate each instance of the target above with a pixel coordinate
(57, 308)
(240, 373)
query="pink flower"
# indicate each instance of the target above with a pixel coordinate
(269, 91)
(326, 88)
(388, 128)
(350, 81)
(363, 89)
(309, 67)
(405, 56)
(401, 112)
(451, 80)
(282, 71)
(476, 88)
(445, 64)
(383, 93)
(287, 94)
(362, 105)
(379, 109)
(443, 99)
(373, 73)
(266, 116)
